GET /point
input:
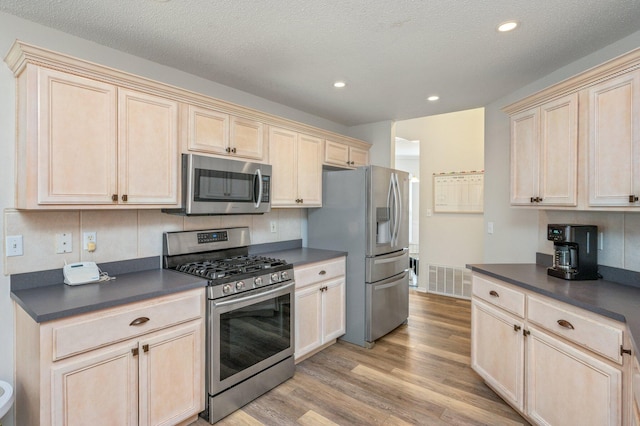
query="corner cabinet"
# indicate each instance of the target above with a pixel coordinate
(297, 169)
(544, 154)
(344, 156)
(320, 306)
(93, 143)
(213, 132)
(139, 364)
(555, 363)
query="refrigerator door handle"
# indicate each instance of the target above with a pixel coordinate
(390, 200)
(396, 210)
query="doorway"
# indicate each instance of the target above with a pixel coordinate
(407, 158)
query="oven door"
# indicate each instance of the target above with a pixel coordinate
(248, 333)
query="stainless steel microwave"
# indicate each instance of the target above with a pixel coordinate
(218, 186)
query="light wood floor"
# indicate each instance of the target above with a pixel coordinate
(417, 375)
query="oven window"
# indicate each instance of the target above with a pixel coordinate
(254, 333)
(213, 185)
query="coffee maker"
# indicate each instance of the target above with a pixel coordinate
(575, 254)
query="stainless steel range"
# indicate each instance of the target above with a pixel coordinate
(250, 312)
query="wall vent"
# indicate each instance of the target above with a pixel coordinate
(449, 281)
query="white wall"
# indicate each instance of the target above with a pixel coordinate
(382, 136)
(123, 234)
(519, 233)
(448, 142)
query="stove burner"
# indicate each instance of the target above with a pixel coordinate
(215, 269)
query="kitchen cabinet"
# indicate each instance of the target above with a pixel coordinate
(345, 156)
(297, 169)
(555, 363)
(138, 364)
(87, 143)
(614, 142)
(544, 154)
(213, 132)
(320, 306)
(635, 392)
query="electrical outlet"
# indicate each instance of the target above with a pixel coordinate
(274, 226)
(90, 241)
(63, 243)
(14, 246)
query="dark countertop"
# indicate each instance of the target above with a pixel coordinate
(616, 301)
(54, 301)
(59, 300)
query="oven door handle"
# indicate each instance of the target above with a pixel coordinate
(281, 289)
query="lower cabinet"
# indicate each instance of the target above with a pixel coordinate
(320, 306)
(142, 364)
(635, 392)
(554, 363)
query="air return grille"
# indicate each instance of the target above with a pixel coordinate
(449, 281)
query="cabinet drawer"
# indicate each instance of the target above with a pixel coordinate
(85, 332)
(591, 331)
(320, 271)
(499, 295)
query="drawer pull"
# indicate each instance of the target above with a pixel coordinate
(516, 327)
(565, 324)
(139, 321)
(323, 272)
(494, 293)
(145, 348)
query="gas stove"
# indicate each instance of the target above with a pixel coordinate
(221, 256)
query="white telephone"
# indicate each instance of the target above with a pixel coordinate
(81, 273)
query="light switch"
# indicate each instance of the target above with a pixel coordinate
(489, 227)
(14, 246)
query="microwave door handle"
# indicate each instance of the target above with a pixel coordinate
(257, 177)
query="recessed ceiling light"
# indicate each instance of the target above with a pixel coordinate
(433, 98)
(507, 26)
(339, 84)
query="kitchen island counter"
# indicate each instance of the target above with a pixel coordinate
(616, 301)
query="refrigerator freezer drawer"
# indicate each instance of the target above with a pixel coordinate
(387, 305)
(386, 265)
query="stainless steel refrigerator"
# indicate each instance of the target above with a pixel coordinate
(365, 212)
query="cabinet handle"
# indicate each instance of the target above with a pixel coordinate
(525, 333)
(494, 293)
(139, 321)
(145, 348)
(233, 150)
(134, 351)
(624, 351)
(633, 198)
(228, 149)
(125, 198)
(302, 200)
(516, 327)
(114, 197)
(323, 272)
(325, 288)
(565, 324)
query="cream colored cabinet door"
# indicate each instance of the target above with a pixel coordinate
(614, 142)
(148, 160)
(635, 392)
(568, 386)
(309, 165)
(171, 378)
(336, 154)
(544, 154)
(76, 141)
(96, 388)
(246, 138)
(308, 323)
(296, 169)
(206, 130)
(358, 157)
(501, 366)
(333, 309)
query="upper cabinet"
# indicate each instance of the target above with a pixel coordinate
(85, 142)
(214, 132)
(346, 156)
(614, 142)
(544, 154)
(577, 144)
(297, 169)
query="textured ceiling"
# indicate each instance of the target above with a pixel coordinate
(392, 54)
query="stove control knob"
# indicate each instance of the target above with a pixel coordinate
(274, 277)
(258, 281)
(240, 285)
(226, 288)
(284, 275)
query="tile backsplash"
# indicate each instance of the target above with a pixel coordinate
(125, 234)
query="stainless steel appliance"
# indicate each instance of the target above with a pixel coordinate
(216, 186)
(575, 249)
(250, 314)
(365, 212)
